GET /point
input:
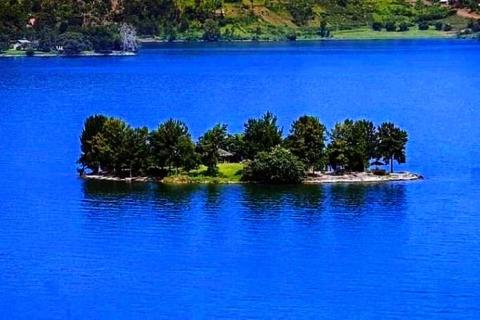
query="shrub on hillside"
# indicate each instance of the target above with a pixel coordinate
(391, 26)
(423, 25)
(403, 27)
(377, 26)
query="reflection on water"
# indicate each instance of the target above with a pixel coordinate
(256, 201)
(355, 198)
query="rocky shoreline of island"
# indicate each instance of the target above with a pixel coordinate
(313, 179)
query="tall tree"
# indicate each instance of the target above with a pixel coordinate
(307, 141)
(261, 134)
(209, 146)
(392, 143)
(172, 145)
(90, 158)
(110, 145)
(137, 150)
(365, 136)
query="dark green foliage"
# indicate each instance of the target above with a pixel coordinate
(209, 146)
(46, 40)
(307, 141)
(390, 26)
(172, 146)
(423, 25)
(278, 166)
(137, 151)
(235, 144)
(92, 127)
(447, 27)
(377, 26)
(391, 144)
(324, 32)
(439, 26)
(474, 25)
(261, 135)
(74, 43)
(301, 10)
(211, 30)
(291, 35)
(352, 145)
(102, 38)
(403, 27)
(111, 145)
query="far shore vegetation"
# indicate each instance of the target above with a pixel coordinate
(106, 27)
(261, 153)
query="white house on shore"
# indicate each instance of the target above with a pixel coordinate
(22, 44)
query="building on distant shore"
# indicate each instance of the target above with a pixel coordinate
(22, 44)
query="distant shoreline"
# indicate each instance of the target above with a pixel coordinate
(39, 54)
(318, 178)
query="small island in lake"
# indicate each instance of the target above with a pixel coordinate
(353, 151)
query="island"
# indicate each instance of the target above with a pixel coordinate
(351, 152)
(50, 28)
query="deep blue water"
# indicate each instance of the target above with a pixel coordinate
(86, 250)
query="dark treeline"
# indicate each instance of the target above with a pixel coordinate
(110, 146)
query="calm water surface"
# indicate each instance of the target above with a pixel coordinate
(86, 250)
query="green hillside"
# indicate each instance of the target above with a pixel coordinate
(93, 24)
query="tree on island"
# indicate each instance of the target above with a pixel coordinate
(278, 166)
(90, 158)
(261, 135)
(307, 141)
(209, 146)
(137, 151)
(172, 146)
(111, 147)
(392, 142)
(365, 135)
(235, 144)
(352, 145)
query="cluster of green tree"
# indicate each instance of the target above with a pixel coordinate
(93, 24)
(111, 146)
(421, 14)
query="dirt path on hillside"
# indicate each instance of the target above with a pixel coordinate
(465, 13)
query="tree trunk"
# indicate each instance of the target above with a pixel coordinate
(391, 165)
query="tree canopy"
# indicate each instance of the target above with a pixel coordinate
(391, 143)
(277, 166)
(307, 141)
(261, 135)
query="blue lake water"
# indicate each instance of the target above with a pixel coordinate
(86, 250)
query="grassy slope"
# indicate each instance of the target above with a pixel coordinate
(368, 33)
(227, 173)
(275, 22)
